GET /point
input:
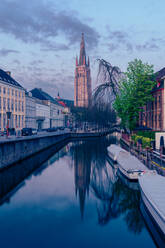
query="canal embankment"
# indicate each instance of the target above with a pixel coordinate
(152, 159)
(13, 150)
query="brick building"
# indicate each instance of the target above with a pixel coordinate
(82, 82)
(153, 115)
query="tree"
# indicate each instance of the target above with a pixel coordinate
(108, 78)
(97, 115)
(134, 92)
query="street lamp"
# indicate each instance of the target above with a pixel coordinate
(8, 119)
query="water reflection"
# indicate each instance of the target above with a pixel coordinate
(73, 198)
(94, 173)
(11, 179)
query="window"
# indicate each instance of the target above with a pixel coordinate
(22, 121)
(160, 118)
(16, 125)
(155, 102)
(8, 91)
(12, 92)
(19, 121)
(4, 103)
(19, 105)
(16, 93)
(8, 104)
(4, 120)
(15, 105)
(0, 102)
(12, 104)
(0, 89)
(4, 90)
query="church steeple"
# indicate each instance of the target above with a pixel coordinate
(82, 82)
(82, 58)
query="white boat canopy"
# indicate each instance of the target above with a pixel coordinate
(130, 163)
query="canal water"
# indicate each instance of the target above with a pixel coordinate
(74, 199)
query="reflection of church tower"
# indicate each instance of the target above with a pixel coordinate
(82, 82)
(82, 167)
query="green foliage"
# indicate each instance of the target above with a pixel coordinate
(134, 92)
(148, 134)
(146, 142)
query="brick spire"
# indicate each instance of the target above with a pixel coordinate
(82, 58)
(76, 61)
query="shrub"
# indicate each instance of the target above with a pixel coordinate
(145, 141)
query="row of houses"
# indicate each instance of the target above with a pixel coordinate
(153, 114)
(34, 109)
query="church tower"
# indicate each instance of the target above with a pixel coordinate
(82, 82)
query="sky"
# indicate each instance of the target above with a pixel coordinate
(39, 39)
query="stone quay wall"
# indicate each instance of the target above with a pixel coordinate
(17, 149)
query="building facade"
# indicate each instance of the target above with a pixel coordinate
(30, 111)
(82, 82)
(49, 113)
(42, 114)
(153, 114)
(12, 102)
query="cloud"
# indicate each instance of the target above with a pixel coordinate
(16, 61)
(40, 22)
(123, 40)
(6, 52)
(151, 45)
(119, 38)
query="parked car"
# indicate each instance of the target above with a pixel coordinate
(12, 131)
(61, 128)
(1, 133)
(34, 131)
(52, 129)
(27, 131)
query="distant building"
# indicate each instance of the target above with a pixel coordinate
(12, 102)
(30, 111)
(49, 113)
(153, 114)
(82, 82)
(42, 114)
(67, 105)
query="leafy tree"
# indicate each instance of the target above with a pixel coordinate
(134, 92)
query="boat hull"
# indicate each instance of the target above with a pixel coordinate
(130, 176)
(152, 226)
(159, 220)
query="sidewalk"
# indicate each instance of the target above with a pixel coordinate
(151, 159)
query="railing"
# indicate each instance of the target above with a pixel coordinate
(152, 159)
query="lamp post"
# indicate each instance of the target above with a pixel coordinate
(8, 122)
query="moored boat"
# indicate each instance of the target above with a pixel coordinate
(130, 166)
(114, 151)
(152, 188)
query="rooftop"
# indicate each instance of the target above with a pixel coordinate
(65, 102)
(42, 95)
(8, 79)
(160, 74)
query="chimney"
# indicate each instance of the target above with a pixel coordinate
(9, 73)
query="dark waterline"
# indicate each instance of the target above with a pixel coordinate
(74, 199)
